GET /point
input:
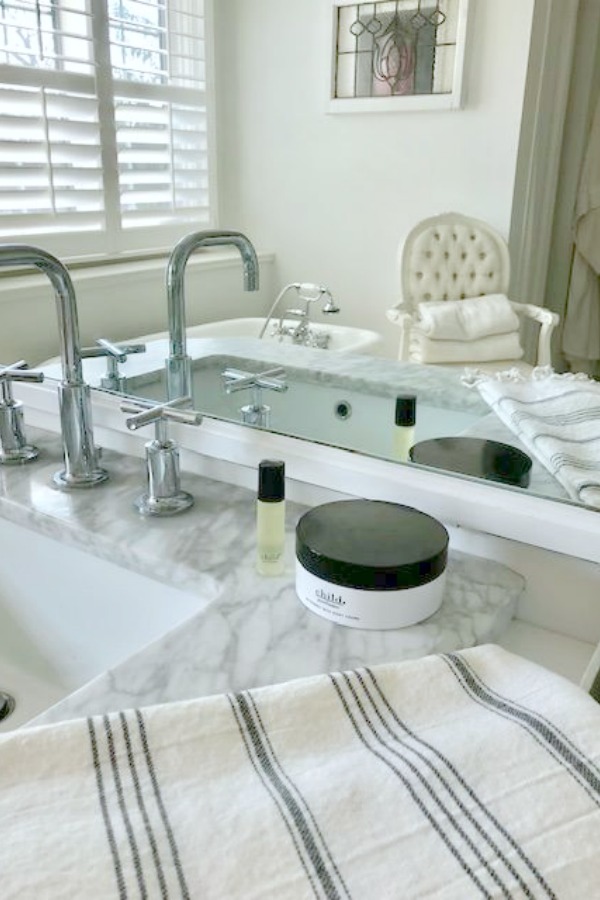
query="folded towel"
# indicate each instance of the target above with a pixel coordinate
(467, 775)
(467, 320)
(423, 349)
(557, 418)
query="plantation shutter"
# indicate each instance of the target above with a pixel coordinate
(103, 120)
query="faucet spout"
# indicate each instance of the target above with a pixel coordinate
(179, 363)
(81, 456)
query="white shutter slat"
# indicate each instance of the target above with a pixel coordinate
(146, 163)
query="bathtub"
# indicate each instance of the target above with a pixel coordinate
(343, 338)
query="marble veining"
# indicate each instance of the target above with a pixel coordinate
(258, 633)
(249, 630)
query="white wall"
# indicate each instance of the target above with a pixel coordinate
(332, 195)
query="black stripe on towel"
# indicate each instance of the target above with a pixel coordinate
(432, 756)
(114, 762)
(161, 806)
(290, 802)
(413, 790)
(105, 814)
(546, 733)
(142, 807)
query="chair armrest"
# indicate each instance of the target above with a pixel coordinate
(541, 315)
(398, 315)
(404, 322)
(547, 321)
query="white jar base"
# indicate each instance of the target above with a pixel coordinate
(356, 608)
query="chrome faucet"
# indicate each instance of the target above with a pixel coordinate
(81, 457)
(179, 364)
(163, 496)
(300, 332)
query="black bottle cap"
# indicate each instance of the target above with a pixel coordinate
(271, 480)
(406, 409)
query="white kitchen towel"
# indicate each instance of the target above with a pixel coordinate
(503, 347)
(467, 320)
(557, 418)
(472, 774)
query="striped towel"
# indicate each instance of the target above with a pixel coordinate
(473, 774)
(557, 418)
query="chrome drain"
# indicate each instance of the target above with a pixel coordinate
(7, 705)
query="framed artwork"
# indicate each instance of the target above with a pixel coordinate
(397, 55)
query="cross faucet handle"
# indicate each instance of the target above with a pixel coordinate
(104, 347)
(115, 354)
(239, 380)
(163, 496)
(18, 371)
(145, 412)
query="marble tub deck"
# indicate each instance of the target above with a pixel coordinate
(249, 630)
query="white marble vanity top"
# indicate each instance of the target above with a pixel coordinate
(251, 630)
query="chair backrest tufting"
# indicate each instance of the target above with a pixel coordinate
(452, 257)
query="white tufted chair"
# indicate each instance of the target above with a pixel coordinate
(453, 257)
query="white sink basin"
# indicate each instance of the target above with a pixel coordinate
(71, 616)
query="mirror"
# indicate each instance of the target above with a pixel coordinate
(320, 206)
(345, 400)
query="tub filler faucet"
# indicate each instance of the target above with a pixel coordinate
(81, 456)
(179, 364)
(300, 332)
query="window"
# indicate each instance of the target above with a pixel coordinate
(397, 54)
(104, 123)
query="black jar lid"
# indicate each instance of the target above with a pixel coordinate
(371, 545)
(481, 458)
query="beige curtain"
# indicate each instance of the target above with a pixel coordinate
(581, 333)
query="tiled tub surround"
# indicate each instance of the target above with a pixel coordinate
(248, 630)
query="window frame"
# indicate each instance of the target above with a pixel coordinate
(113, 243)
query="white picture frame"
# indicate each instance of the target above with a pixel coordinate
(450, 96)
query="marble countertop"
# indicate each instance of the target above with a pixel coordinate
(251, 630)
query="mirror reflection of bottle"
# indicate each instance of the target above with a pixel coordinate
(404, 426)
(270, 517)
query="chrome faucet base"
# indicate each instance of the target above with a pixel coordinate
(70, 482)
(17, 457)
(163, 506)
(14, 449)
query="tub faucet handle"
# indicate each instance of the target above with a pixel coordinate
(163, 496)
(13, 444)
